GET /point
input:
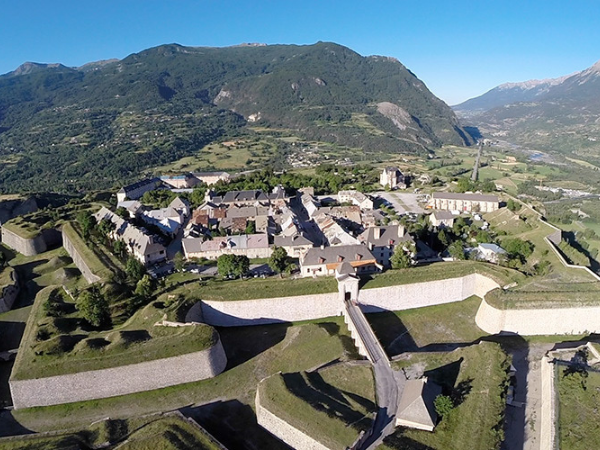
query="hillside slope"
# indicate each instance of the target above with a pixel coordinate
(66, 129)
(559, 115)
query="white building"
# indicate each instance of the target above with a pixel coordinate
(452, 201)
(392, 178)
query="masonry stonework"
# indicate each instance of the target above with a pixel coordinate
(531, 322)
(121, 380)
(283, 430)
(27, 247)
(85, 270)
(9, 293)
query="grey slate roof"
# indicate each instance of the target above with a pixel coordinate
(147, 181)
(493, 248)
(442, 215)
(289, 241)
(330, 254)
(387, 233)
(471, 197)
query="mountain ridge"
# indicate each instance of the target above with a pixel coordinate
(93, 124)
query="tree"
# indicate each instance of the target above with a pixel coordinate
(122, 212)
(93, 307)
(134, 269)
(144, 287)
(279, 259)
(456, 250)
(105, 227)
(443, 405)
(512, 205)
(87, 222)
(400, 259)
(234, 265)
(119, 248)
(251, 227)
(178, 261)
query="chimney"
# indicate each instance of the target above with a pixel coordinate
(376, 233)
(401, 230)
(358, 257)
(321, 260)
(391, 242)
(340, 258)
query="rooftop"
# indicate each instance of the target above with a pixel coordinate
(458, 196)
(331, 255)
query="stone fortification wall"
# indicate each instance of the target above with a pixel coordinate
(418, 295)
(309, 307)
(530, 322)
(121, 380)
(283, 430)
(271, 310)
(9, 293)
(85, 270)
(27, 247)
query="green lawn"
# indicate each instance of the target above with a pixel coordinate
(70, 346)
(267, 350)
(578, 415)
(93, 261)
(476, 376)
(332, 406)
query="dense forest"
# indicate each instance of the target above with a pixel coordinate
(67, 130)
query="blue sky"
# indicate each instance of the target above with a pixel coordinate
(460, 49)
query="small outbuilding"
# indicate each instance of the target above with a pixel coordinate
(490, 252)
(416, 408)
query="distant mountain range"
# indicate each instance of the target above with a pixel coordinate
(560, 114)
(67, 128)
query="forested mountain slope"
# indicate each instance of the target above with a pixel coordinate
(66, 129)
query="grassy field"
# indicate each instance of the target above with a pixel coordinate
(476, 377)
(267, 350)
(409, 330)
(578, 411)
(234, 155)
(59, 345)
(159, 432)
(332, 405)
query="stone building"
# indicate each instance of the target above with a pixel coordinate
(323, 261)
(392, 177)
(382, 241)
(452, 201)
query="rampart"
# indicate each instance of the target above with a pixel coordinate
(120, 380)
(283, 430)
(78, 259)
(309, 307)
(9, 292)
(25, 246)
(546, 321)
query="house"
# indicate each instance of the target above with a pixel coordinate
(333, 231)
(241, 198)
(416, 408)
(382, 241)
(234, 224)
(442, 219)
(490, 252)
(168, 219)
(181, 206)
(141, 245)
(392, 177)
(135, 191)
(452, 201)
(356, 198)
(211, 178)
(250, 245)
(132, 207)
(323, 261)
(180, 181)
(295, 246)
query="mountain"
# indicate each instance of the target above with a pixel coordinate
(67, 128)
(506, 94)
(559, 115)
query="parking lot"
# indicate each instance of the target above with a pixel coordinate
(404, 202)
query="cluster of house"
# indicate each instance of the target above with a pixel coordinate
(251, 222)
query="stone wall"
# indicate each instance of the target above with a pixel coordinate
(309, 307)
(121, 380)
(271, 310)
(418, 295)
(283, 430)
(530, 322)
(27, 247)
(9, 293)
(85, 270)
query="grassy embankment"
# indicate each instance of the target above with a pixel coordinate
(578, 410)
(476, 377)
(332, 405)
(66, 344)
(169, 432)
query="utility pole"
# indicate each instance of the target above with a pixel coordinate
(477, 160)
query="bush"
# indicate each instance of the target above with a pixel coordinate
(443, 405)
(93, 307)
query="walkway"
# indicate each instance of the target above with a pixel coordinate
(386, 385)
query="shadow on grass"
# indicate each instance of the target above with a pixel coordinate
(234, 424)
(244, 343)
(333, 329)
(9, 426)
